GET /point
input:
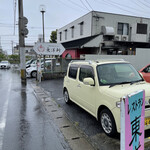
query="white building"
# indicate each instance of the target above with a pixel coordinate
(104, 33)
(28, 50)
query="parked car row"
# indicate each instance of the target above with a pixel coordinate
(31, 67)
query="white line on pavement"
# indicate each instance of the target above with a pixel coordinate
(4, 116)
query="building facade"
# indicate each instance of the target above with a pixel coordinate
(104, 33)
(28, 50)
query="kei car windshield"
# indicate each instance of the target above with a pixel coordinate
(4, 62)
(117, 73)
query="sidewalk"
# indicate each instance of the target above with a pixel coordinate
(76, 139)
(97, 139)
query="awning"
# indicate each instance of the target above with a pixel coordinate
(76, 44)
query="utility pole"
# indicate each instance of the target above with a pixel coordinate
(23, 31)
(12, 43)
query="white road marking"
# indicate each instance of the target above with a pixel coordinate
(3, 117)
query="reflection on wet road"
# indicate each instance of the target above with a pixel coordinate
(23, 123)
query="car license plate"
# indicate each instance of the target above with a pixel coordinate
(147, 121)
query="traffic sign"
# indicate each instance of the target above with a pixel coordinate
(49, 48)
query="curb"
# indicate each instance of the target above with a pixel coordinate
(75, 139)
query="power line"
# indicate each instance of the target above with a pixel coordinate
(65, 4)
(77, 4)
(84, 5)
(147, 3)
(143, 3)
(89, 4)
(127, 6)
(110, 3)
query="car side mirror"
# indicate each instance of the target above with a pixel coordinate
(88, 81)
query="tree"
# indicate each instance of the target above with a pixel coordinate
(14, 59)
(53, 37)
(2, 56)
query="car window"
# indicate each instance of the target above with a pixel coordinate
(73, 71)
(117, 73)
(147, 69)
(86, 72)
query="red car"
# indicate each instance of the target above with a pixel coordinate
(145, 71)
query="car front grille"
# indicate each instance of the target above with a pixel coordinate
(3, 66)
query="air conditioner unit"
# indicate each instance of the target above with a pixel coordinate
(124, 37)
(117, 37)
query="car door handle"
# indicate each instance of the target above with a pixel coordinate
(79, 85)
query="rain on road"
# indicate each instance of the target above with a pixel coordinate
(23, 123)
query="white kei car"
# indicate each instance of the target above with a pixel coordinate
(4, 65)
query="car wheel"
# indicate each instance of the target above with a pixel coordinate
(66, 97)
(107, 122)
(33, 74)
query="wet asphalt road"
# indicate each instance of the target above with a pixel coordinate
(86, 123)
(23, 123)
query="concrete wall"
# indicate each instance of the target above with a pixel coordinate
(87, 22)
(141, 59)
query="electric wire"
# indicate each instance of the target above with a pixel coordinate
(141, 2)
(84, 5)
(127, 6)
(68, 6)
(147, 2)
(89, 4)
(120, 7)
(137, 4)
(76, 4)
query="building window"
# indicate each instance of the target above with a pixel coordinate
(66, 34)
(123, 29)
(81, 28)
(72, 31)
(141, 28)
(60, 34)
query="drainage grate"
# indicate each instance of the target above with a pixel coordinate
(76, 138)
(59, 117)
(67, 126)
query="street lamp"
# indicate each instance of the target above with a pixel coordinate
(43, 10)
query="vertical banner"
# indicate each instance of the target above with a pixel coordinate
(134, 110)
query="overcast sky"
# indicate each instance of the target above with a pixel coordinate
(58, 13)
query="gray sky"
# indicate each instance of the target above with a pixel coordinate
(59, 13)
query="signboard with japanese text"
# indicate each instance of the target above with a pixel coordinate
(49, 48)
(132, 121)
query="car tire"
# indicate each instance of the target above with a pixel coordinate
(33, 74)
(66, 97)
(107, 122)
